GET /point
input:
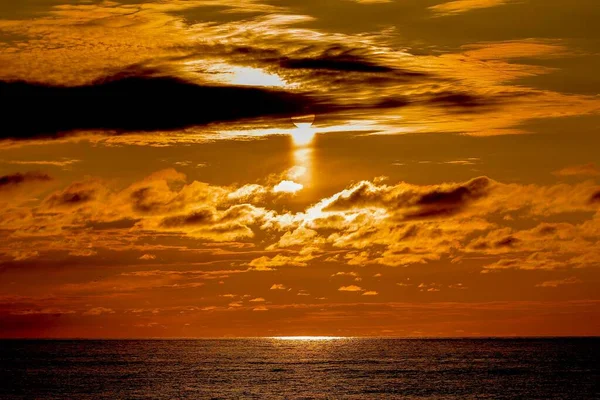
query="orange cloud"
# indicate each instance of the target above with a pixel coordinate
(461, 6)
(351, 288)
(579, 170)
(98, 311)
(554, 284)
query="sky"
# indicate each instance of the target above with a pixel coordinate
(235, 168)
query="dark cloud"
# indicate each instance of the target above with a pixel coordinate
(334, 58)
(457, 99)
(128, 102)
(362, 195)
(413, 203)
(393, 102)
(152, 200)
(471, 189)
(442, 202)
(204, 217)
(545, 230)
(14, 180)
(71, 198)
(125, 223)
(509, 241)
(142, 99)
(75, 195)
(595, 197)
(505, 243)
(338, 63)
(200, 217)
(146, 201)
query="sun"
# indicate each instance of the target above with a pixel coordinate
(304, 133)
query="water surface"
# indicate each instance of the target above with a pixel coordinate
(292, 369)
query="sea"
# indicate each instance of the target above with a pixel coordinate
(274, 368)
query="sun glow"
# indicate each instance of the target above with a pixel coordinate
(308, 338)
(223, 72)
(254, 77)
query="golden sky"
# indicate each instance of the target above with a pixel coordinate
(204, 168)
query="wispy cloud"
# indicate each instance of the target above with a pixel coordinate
(579, 170)
(63, 163)
(461, 6)
(559, 282)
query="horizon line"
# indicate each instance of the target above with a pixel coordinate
(291, 337)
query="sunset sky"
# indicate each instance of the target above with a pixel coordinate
(212, 168)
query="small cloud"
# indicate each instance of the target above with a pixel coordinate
(351, 288)
(20, 255)
(148, 257)
(83, 252)
(553, 284)
(257, 300)
(260, 308)
(431, 287)
(469, 161)
(265, 263)
(579, 170)
(370, 293)
(355, 258)
(278, 286)
(461, 6)
(99, 311)
(287, 187)
(458, 286)
(190, 164)
(354, 274)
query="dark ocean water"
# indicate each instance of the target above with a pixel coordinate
(277, 369)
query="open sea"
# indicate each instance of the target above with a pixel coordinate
(288, 369)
